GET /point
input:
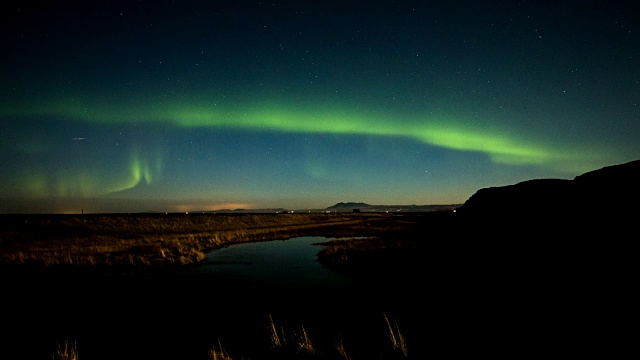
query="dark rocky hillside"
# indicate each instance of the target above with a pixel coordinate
(612, 192)
(552, 260)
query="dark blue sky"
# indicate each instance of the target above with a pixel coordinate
(204, 105)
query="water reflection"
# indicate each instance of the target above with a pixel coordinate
(277, 264)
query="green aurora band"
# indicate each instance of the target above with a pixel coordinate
(87, 182)
(498, 145)
(447, 132)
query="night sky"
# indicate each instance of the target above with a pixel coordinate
(126, 106)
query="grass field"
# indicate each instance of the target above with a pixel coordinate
(36, 246)
(95, 241)
(430, 286)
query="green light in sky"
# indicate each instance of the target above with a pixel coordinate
(92, 181)
(501, 148)
(141, 169)
(498, 144)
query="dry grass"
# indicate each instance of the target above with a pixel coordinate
(398, 341)
(277, 335)
(164, 241)
(284, 345)
(67, 351)
(219, 353)
(303, 346)
(149, 240)
(341, 351)
(303, 341)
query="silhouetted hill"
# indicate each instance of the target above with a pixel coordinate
(611, 188)
(603, 192)
(348, 206)
(363, 207)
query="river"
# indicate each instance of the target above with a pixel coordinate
(279, 265)
(231, 298)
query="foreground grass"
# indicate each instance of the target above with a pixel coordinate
(66, 351)
(289, 344)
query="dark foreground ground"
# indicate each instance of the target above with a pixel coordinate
(458, 289)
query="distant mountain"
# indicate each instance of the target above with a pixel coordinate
(364, 207)
(610, 189)
(348, 206)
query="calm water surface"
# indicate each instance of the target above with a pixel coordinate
(277, 264)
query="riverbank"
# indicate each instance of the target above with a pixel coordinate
(143, 241)
(456, 288)
(72, 283)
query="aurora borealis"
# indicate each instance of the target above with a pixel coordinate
(116, 106)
